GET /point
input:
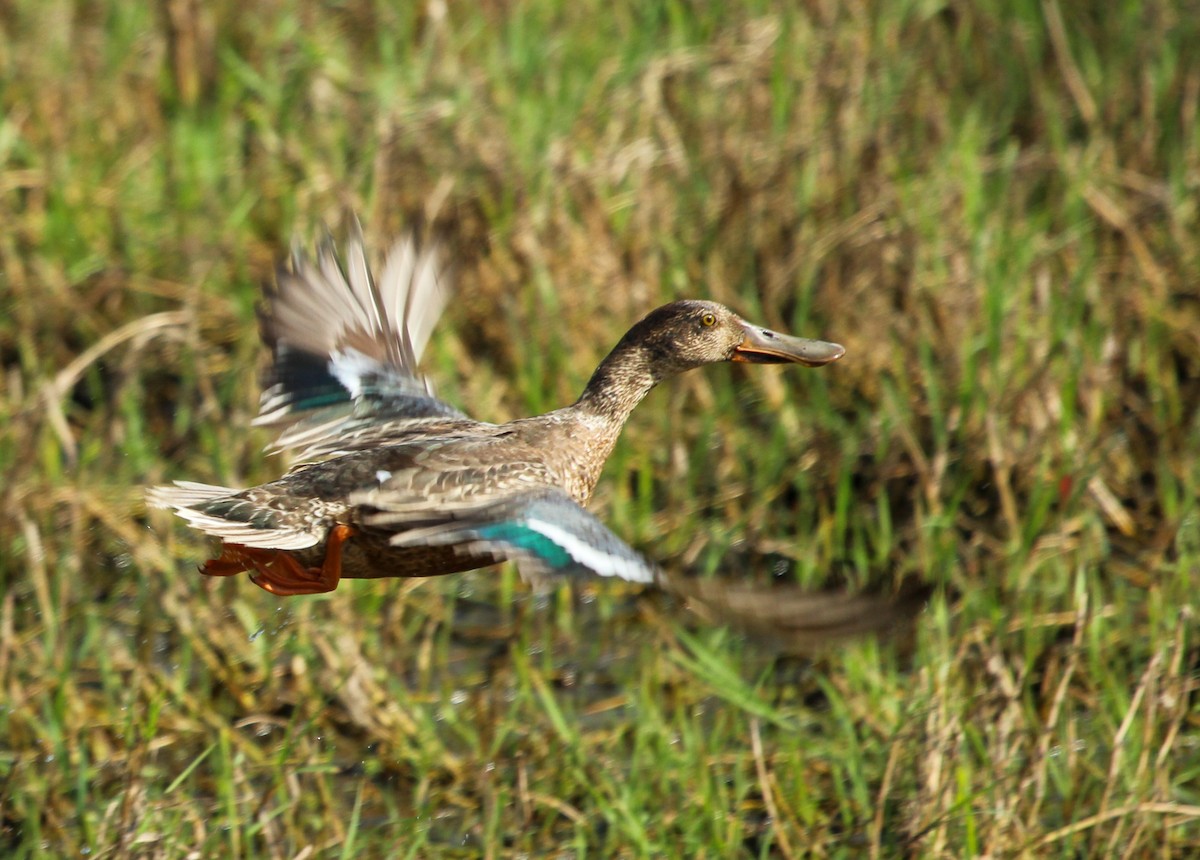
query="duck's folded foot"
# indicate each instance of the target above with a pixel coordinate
(278, 571)
(234, 559)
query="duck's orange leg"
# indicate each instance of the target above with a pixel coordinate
(234, 558)
(278, 572)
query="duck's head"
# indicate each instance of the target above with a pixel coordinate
(690, 333)
(684, 335)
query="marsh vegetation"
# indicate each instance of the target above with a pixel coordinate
(993, 206)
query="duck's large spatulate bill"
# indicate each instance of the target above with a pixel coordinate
(763, 346)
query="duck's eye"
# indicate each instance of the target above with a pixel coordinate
(709, 319)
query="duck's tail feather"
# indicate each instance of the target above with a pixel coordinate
(222, 512)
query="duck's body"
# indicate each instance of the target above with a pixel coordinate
(396, 482)
(444, 466)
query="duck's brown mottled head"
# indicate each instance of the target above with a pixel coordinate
(691, 333)
(684, 335)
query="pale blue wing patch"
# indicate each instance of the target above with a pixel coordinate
(546, 533)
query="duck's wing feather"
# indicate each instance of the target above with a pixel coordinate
(469, 468)
(545, 531)
(345, 345)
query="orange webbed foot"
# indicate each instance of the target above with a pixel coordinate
(283, 576)
(278, 571)
(234, 559)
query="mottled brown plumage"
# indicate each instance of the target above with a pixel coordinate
(396, 482)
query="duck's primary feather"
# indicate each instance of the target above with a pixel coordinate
(345, 346)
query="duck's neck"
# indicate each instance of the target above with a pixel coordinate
(619, 384)
(589, 428)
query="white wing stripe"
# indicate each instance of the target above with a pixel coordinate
(603, 563)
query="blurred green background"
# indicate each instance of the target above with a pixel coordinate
(992, 205)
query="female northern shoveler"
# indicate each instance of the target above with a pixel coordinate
(396, 482)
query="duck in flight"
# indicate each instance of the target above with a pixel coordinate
(392, 481)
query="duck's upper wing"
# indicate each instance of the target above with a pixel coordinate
(345, 345)
(544, 530)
